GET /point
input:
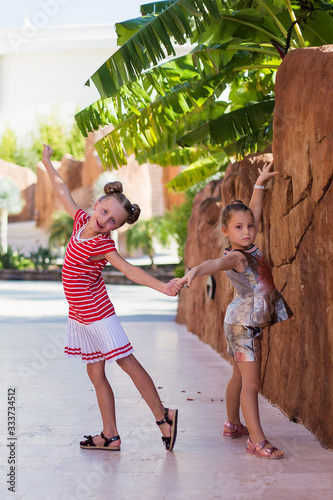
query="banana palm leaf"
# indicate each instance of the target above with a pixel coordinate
(155, 7)
(152, 43)
(169, 77)
(152, 109)
(199, 171)
(174, 158)
(232, 126)
(251, 143)
(145, 131)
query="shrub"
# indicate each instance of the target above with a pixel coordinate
(14, 260)
(42, 258)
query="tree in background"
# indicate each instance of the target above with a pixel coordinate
(64, 140)
(145, 233)
(50, 130)
(60, 229)
(10, 203)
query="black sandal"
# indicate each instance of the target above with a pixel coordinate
(90, 445)
(169, 442)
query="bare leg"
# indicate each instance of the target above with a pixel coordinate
(105, 398)
(251, 382)
(147, 389)
(233, 392)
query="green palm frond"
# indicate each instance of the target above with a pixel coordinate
(153, 43)
(154, 107)
(251, 143)
(170, 77)
(230, 127)
(155, 7)
(199, 171)
(145, 131)
(174, 158)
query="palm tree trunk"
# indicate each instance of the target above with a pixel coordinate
(3, 229)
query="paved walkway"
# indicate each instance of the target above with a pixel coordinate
(56, 406)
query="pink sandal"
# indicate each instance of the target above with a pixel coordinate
(256, 450)
(235, 431)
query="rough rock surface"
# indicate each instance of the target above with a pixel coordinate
(297, 238)
(26, 180)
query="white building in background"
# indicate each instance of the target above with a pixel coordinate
(45, 68)
(42, 69)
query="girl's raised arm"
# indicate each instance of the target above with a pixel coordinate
(257, 195)
(58, 183)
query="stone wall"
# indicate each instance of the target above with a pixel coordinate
(297, 238)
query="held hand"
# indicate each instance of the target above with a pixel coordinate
(47, 152)
(188, 278)
(173, 287)
(265, 173)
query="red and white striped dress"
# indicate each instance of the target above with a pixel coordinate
(94, 331)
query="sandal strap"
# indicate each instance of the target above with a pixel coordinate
(166, 419)
(107, 441)
(233, 427)
(262, 444)
(89, 441)
(166, 441)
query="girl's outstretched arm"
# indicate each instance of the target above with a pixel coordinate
(235, 260)
(140, 276)
(257, 195)
(58, 183)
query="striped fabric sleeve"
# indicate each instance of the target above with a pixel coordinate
(104, 245)
(78, 219)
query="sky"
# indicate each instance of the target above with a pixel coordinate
(68, 12)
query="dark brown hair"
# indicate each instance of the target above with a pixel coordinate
(115, 189)
(234, 206)
(224, 219)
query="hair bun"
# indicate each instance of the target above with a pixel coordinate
(113, 187)
(135, 212)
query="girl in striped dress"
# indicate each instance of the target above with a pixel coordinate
(94, 332)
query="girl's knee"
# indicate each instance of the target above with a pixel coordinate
(126, 362)
(251, 385)
(96, 372)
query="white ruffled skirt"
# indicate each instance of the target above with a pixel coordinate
(101, 340)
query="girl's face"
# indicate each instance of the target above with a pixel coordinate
(108, 216)
(240, 230)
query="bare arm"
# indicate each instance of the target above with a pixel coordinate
(256, 202)
(235, 260)
(59, 185)
(140, 276)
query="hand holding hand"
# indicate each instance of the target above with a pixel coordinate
(188, 278)
(47, 152)
(173, 287)
(265, 173)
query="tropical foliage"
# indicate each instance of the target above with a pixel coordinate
(14, 259)
(50, 130)
(60, 229)
(211, 104)
(145, 233)
(42, 258)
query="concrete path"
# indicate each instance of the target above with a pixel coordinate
(55, 406)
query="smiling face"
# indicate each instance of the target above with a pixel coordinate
(240, 229)
(108, 215)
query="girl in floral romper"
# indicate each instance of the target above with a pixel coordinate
(257, 304)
